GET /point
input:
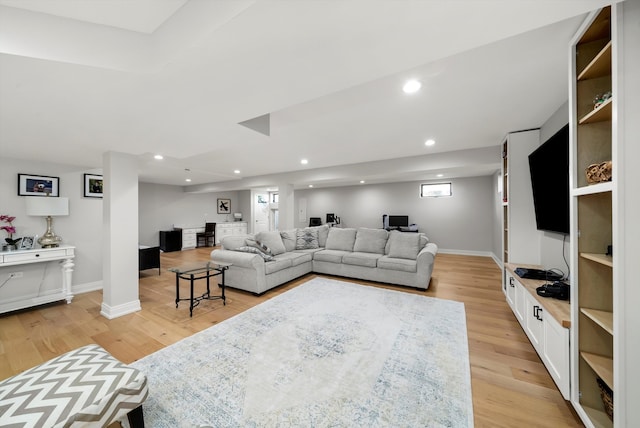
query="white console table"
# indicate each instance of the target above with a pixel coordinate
(13, 298)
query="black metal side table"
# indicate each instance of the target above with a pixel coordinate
(195, 271)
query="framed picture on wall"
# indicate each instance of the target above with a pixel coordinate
(38, 185)
(224, 206)
(92, 186)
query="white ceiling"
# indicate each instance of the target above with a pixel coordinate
(176, 77)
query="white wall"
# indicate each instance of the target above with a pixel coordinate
(82, 228)
(161, 206)
(461, 223)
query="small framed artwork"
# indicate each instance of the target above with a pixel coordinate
(27, 242)
(224, 206)
(92, 186)
(38, 185)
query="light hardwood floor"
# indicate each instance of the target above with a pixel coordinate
(511, 387)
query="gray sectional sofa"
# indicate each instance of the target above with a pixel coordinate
(268, 259)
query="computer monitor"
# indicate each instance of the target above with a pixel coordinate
(315, 221)
(398, 221)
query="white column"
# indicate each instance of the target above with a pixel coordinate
(120, 235)
(286, 210)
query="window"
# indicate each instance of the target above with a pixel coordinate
(435, 190)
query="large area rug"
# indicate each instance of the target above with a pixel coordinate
(324, 354)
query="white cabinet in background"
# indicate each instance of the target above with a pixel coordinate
(189, 235)
(229, 229)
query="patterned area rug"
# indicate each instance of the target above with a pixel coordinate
(327, 353)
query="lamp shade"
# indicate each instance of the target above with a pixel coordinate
(47, 206)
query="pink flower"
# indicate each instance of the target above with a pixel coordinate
(9, 229)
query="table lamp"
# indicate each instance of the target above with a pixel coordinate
(47, 206)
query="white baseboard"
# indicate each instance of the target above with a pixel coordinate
(120, 310)
(473, 253)
(86, 287)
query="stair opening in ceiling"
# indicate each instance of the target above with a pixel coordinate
(261, 124)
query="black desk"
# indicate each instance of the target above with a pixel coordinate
(203, 270)
(148, 258)
(170, 240)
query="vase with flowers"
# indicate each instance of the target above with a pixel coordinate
(10, 229)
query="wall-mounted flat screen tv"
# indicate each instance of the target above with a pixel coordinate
(549, 168)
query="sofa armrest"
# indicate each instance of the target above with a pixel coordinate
(427, 254)
(238, 258)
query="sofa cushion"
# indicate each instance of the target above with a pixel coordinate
(296, 258)
(390, 263)
(341, 239)
(332, 256)
(404, 245)
(277, 265)
(254, 250)
(424, 240)
(272, 240)
(323, 232)
(289, 239)
(371, 240)
(306, 239)
(361, 259)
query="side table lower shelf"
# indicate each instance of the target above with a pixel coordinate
(195, 272)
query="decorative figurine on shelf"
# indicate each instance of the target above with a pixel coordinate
(10, 229)
(600, 99)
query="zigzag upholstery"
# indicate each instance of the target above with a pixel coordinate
(86, 387)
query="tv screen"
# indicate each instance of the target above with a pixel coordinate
(549, 168)
(398, 220)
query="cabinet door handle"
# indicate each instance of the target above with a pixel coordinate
(537, 310)
(511, 281)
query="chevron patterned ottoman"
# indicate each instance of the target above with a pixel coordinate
(82, 388)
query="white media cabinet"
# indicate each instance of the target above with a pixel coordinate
(546, 322)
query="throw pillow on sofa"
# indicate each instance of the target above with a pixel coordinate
(323, 233)
(306, 239)
(341, 239)
(404, 245)
(289, 239)
(273, 241)
(254, 250)
(257, 244)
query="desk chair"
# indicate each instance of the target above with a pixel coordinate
(204, 237)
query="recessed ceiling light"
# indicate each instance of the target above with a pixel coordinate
(310, 185)
(440, 175)
(304, 161)
(429, 142)
(188, 180)
(158, 157)
(236, 171)
(361, 181)
(411, 86)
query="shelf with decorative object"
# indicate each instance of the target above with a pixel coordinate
(595, 224)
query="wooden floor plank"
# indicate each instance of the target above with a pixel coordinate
(511, 387)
